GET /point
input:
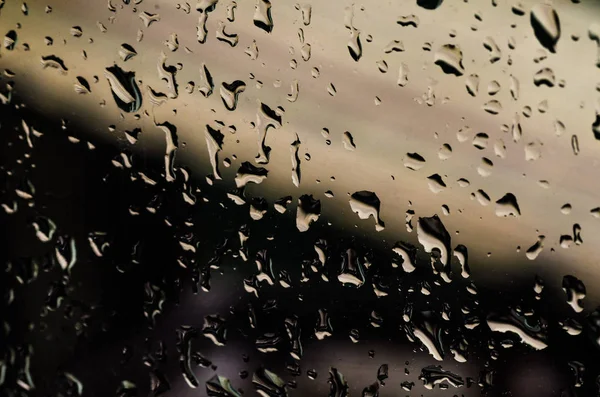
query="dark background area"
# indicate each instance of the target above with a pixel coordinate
(100, 332)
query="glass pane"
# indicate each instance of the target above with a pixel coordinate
(318, 198)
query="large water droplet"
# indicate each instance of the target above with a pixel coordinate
(268, 384)
(508, 206)
(171, 145)
(432, 234)
(530, 334)
(262, 15)
(354, 44)
(54, 62)
(338, 387)
(265, 119)
(214, 329)
(544, 76)
(124, 89)
(214, 144)
(575, 290)
(449, 58)
(204, 7)
(435, 375)
(230, 93)
(546, 25)
(219, 386)
(535, 249)
(366, 204)
(308, 211)
(429, 4)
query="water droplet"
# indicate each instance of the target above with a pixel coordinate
(533, 151)
(66, 252)
(231, 7)
(402, 75)
(54, 62)
(514, 87)
(594, 34)
(493, 87)
(252, 50)
(546, 25)
(354, 44)
(575, 144)
(472, 84)
(462, 182)
(566, 209)
(544, 76)
(445, 152)
(484, 169)
(382, 66)
(492, 107)
(408, 20)
(429, 4)
(296, 174)
(10, 40)
(531, 334)
(323, 328)
(125, 90)
(185, 335)
(126, 52)
(229, 38)
(508, 206)
(214, 329)
(371, 390)
(76, 31)
(230, 93)
(367, 204)
(262, 15)
(268, 384)
(348, 141)
(44, 228)
(352, 269)
(596, 126)
(490, 45)
(482, 197)
(383, 373)
(204, 7)
(338, 387)
(265, 118)
(219, 386)
(171, 145)
(461, 253)
(414, 161)
(82, 86)
(172, 43)
(407, 386)
(393, 46)
(533, 251)
(432, 235)
(248, 173)
(432, 375)
(308, 211)
(148, 18)
(575, 290)
(449, 58)
(436, 183)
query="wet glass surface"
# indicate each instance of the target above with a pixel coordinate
(231, 198)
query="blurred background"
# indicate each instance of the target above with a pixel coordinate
(306, 199)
